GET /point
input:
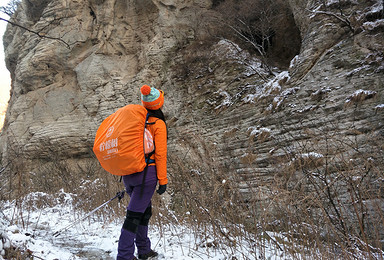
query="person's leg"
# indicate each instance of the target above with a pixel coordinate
(143, 243)
(138, 204)
(126, 246)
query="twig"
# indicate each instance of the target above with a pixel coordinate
(5, 217)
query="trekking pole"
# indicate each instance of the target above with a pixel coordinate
(119, 195)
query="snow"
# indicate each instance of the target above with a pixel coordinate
(376, 8)
(227, 99)
(97, 238)
(360, 94)
(330, 2)
(272, 87)
(255, 131)
(307, 108)
(228, 50)
(294, 61)
(312, 155)
(370, 26)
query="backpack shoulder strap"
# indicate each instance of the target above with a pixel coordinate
(157, 113)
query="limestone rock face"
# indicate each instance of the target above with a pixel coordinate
(226, 112)
(62, 89)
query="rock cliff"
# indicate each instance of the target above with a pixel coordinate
(311, 113)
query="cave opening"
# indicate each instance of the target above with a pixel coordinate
(265, 28)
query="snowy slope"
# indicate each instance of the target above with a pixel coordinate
(93, 238)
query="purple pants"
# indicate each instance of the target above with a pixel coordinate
(139, 202)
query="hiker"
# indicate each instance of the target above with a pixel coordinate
(139, 211)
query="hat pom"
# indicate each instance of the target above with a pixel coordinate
(145, 90)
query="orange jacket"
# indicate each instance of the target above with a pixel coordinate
(159, 133)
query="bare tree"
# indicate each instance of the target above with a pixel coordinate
(251, 21)
(255, 23)
(10, 8)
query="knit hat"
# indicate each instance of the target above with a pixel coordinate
(151, 98)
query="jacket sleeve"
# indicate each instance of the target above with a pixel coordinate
(161, 151)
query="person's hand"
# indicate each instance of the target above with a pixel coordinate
(161, 189)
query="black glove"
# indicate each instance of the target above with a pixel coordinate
(161, 189)
(120, 195)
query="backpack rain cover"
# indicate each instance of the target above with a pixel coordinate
(119, 141)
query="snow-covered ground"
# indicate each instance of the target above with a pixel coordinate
(33, 231)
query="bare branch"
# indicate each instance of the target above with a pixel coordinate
(40, 34)
(344, 19)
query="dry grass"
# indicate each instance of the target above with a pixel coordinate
(325, 197)
(323, 205)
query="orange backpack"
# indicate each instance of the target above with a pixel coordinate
(122, 143)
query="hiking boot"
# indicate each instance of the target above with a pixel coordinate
(148, 255)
